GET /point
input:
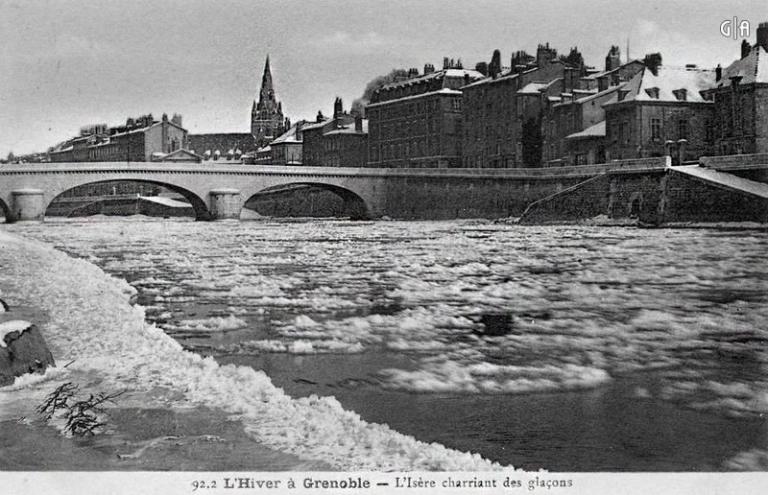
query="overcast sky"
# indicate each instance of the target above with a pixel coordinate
(65, 64)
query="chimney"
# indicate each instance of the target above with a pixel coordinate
(358, 123)
(338, 108)
(745, 48)
(602, 83)
(446, 63)
(299, 127)
(762, 35)
(320, 116)
(413, 72)
(428, 69)
(718, 73)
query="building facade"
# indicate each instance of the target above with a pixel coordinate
(573, 125)
(740, 100)
(341, 141)
(139, 140)
(417, 122)
(502, 113)
(267, 119)
(287, 149)
(666, 112)
(222, 144)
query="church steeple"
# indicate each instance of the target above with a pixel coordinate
(267, 91)
(267, 115)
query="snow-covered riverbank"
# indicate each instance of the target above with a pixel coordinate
(109, 347)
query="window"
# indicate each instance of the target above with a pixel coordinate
(682, 129)
(656, 129)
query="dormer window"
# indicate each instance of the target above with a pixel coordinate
(681, 94)
(653, 93)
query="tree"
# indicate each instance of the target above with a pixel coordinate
(532, 142)
(358, 106)
(11, 157)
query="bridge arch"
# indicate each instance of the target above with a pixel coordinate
(198, 204)
(5, 212)
(353, 206)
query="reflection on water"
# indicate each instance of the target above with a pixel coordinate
(568, 348)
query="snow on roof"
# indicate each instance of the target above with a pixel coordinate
(503, 76)
(591, 95)
(350, 129)
(533, 88)
(662, 87)
(288, 136)
(315, 125)
(595, 131)
(752, 68)
(602, 73)
(444, 91)
(453, 73)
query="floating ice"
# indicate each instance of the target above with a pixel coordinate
(93, 325)
(212, 324)
(7, 327)
(494, 379)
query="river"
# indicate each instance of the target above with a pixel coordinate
(563, 348)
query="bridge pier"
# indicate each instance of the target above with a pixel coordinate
(27, 205)
(225, 204)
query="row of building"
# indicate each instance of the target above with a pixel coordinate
(545, 110)
(542, 110)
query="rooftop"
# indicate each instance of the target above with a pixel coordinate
(670, 85)
(595, 131)
(440, 74)
(350, 129)
(444, 91)
(288, 136)
(752, 68)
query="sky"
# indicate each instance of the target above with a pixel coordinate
(66, 64)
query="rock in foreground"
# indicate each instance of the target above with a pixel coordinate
(22, 350)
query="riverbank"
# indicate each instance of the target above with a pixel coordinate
(111, 348)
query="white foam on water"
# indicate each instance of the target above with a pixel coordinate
(451, 376)
(109, 340)
(212, 324)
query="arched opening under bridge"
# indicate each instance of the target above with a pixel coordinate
(5, 212)
(306, 199)
(128, 197)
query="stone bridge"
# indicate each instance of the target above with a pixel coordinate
(214, 191)
(219, 191)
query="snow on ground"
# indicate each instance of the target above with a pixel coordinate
(93, 325)
(7, 327)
